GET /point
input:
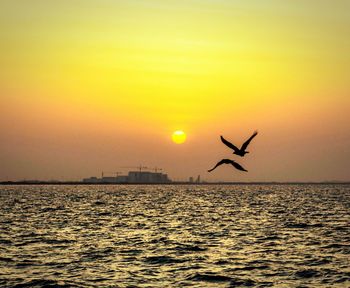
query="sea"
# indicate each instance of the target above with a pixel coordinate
(175, 235)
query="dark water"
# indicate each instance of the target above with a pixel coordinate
(175, 236)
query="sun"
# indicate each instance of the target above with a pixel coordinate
(179, 137)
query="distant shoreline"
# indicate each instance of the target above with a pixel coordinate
(172, 183)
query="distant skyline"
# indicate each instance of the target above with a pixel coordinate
(89, 86)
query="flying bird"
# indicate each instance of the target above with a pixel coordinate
(239, 151)
(229, 161)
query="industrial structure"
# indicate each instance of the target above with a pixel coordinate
(132, 177)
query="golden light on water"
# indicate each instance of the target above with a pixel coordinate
(179, 137)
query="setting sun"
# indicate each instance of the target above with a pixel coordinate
(179, 137)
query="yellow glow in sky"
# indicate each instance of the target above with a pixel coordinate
(140, 68)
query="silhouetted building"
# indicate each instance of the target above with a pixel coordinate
(122, 179)
(147, 177)
(132, 177)
(92, 180)
(108, 179)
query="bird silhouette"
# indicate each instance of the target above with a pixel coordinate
(239, 151)
(229, 161)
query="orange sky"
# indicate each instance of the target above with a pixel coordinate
(87, 86)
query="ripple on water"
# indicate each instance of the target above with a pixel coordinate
(209, 277)
(307, 273)
(163, 260)
(43, 283)
(187, 248)
(175, 236)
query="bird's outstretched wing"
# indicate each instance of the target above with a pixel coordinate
(229, 144)
(228, 161)
(237, 166)
(246, 143)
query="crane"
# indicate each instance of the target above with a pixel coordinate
(156, 169)
(113, 173)
(140, 168)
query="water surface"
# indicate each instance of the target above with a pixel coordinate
(175, 236)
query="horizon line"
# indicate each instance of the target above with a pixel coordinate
(55, 182)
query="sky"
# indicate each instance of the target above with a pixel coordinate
(89, 86)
